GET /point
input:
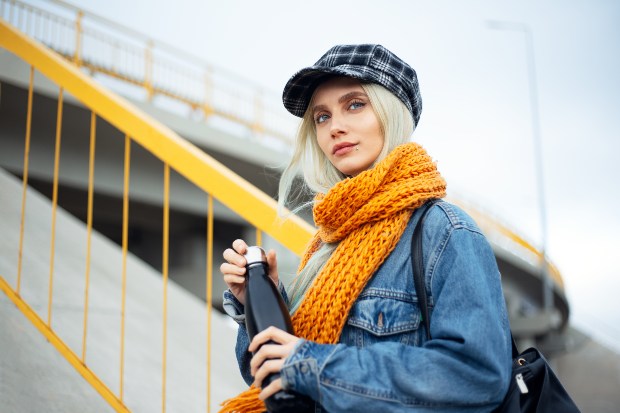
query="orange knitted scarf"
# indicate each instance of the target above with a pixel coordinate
(367, 215)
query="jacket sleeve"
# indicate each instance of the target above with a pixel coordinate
(465, 367)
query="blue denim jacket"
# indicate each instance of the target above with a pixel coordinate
(383, 361)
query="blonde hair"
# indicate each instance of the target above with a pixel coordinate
(320, 175)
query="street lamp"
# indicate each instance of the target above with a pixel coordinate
(529, 42)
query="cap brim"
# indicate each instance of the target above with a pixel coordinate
(299, 89)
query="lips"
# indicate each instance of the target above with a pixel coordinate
(343, 148)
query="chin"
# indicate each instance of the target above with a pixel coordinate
(350, 172)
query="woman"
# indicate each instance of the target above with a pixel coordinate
(360, 345)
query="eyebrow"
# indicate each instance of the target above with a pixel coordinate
(341, 99)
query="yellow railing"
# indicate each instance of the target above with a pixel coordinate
(500, 234)
(161, 71)
(176, 154)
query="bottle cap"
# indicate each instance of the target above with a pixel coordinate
(255, 255)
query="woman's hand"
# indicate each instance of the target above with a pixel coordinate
(270, 358)
(234, 268)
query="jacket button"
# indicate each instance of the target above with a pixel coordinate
(304, 368)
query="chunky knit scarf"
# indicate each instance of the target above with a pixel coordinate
(367, 215)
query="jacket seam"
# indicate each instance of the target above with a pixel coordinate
(320, 374)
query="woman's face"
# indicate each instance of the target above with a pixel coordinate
(347, 128)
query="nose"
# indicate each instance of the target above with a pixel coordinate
(337, 126)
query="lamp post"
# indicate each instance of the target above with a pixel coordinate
(529, 42)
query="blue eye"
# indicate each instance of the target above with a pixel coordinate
(356, 105)
(321, 118)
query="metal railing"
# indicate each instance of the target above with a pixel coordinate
(161, 71)
(507, 239)
(212, 178)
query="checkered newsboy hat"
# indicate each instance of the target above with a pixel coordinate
(367, 62)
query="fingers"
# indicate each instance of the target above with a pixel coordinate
(273, 266)
(234, 255)
(233, 280)
(275, 346)
(267, 353)
(271, 334)
(235, 262)
(234, 275)
(274, 387)
(268, 367)
(240, 246)
(233, 269)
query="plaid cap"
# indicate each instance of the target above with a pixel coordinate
(367, 62)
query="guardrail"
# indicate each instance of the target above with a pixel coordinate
(163, 73)
(176, 154)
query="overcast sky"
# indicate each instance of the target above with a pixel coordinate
(477, 119)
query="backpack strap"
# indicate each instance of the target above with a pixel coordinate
(417, 262)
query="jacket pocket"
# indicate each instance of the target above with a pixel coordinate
(383, 316)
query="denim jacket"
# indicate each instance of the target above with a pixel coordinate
(383, 361)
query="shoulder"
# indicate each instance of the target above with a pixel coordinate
(444, 216)
(447, 227)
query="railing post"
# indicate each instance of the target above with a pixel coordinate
(54, 204)
(25, 177)
(124, 248)
(89, 224)
(209, 293)
(78, 38)
(148, 70)
(259, 110)
(207, 106)
(165, 250)
(11, 8)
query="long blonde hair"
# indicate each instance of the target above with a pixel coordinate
(320, 175)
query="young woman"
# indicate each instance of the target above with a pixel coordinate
(360, 343)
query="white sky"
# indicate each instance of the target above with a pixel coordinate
(476, 120)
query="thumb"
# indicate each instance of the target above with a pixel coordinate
(273, 266)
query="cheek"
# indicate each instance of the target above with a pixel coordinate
(323, 142)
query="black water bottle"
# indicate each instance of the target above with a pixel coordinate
(264, 307)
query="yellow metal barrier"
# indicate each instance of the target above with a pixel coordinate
(517, 244)
(176, 154)
(182, 156)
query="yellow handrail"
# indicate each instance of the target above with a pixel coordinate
(176, 154)
(195, 165)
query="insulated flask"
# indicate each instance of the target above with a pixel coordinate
(265, 307)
